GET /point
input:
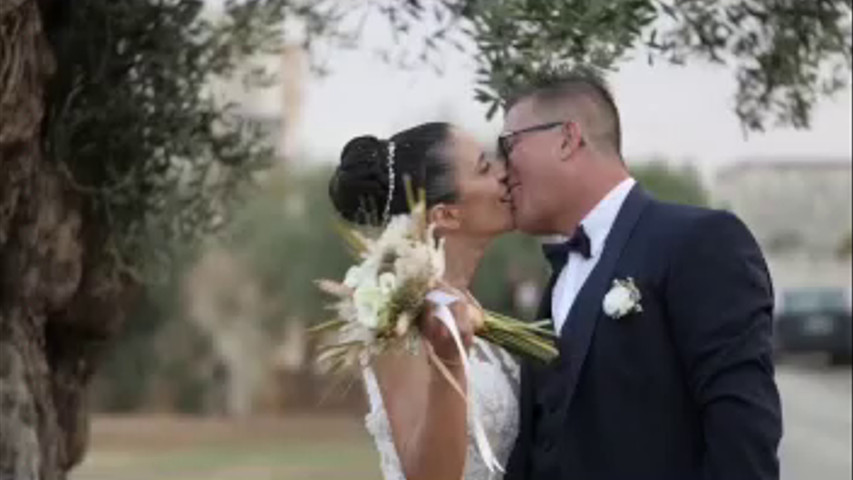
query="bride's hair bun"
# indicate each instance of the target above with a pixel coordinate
(359, 187)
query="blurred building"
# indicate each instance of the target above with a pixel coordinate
(800, 212)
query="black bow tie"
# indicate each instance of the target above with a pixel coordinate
(558, 253)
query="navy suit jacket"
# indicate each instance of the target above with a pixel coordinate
(683, 390)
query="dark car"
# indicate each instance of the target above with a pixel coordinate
(815, 320)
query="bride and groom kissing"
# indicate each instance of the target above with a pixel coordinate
(663, 312)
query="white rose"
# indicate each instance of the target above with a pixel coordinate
(623, 299)
(366, 271)
(368, 300)
(617, 302)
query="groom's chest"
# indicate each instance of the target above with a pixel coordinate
(621, 347)
(580, 289)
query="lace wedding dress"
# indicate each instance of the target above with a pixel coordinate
(493, 386)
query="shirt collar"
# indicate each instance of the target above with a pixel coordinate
(600, 219)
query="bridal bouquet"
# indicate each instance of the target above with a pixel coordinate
(379, 302)
(381, 299)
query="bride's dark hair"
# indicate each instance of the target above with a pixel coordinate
(360, 185)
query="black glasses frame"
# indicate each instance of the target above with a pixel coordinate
(505, 144)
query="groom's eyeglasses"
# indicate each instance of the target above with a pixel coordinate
(507, 141)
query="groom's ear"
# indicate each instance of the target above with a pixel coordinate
(572, 139)
(445, 217)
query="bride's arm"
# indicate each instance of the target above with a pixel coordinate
(428, 417)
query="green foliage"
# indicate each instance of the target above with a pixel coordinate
(523, 43)
(161, 164)
(671, 184)
(134, 125)
(784, 54)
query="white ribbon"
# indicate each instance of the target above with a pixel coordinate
(442, 301)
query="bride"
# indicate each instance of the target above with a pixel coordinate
(419, 422)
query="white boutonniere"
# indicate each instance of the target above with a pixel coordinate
(623, 299)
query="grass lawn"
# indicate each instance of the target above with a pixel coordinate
(180, 448)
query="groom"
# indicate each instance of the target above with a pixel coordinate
(674, 382)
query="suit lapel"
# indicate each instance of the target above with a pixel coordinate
(576, 335)
(544, 310)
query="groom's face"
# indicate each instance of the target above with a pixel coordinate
(535, 170)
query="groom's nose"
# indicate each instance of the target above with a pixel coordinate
(500, 166)
(502, 172)
(506, 163)
(508, 173)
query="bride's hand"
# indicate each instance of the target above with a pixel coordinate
(464, 313)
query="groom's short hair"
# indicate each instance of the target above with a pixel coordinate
(580, 89)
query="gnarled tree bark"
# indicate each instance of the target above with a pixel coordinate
(60, 297)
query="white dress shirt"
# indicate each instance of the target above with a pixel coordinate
(597, 224)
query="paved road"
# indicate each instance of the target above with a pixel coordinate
(816, 400)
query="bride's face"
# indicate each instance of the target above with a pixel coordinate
(483, 202)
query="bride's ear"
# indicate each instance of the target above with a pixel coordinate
(445, 217)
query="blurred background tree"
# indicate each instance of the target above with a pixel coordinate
(678, 184)
(284, 237)
(785, 55)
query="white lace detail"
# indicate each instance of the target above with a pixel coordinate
(493, 386)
